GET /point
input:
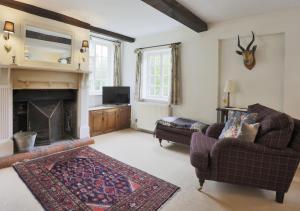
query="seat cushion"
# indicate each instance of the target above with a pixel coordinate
(276, 128)
(185, 132)
(201, 146)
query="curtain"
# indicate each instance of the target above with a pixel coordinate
(175, 75)
(138, 74)
(117, 64)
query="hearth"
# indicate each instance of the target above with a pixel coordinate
(52, 114)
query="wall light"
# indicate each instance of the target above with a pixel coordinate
(9, 28)
(85, 45)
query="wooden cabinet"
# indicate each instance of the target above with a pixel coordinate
(123, 118)
(105, 120)
(111, 120)
(97, 122)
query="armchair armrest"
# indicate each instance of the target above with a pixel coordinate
(214, 130)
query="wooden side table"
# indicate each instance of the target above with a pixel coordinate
(223, 113)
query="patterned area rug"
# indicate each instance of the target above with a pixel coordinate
(85, 179)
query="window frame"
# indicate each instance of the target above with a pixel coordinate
(110, 56)
(146, 69)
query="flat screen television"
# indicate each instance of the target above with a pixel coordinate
(116, 95)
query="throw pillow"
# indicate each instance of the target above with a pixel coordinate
(248, 132)
(235, 120)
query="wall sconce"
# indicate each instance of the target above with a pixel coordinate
(9, 28)
(85, 45)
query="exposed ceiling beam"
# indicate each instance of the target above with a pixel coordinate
(178, 12)
(111, 34)
(62, 18)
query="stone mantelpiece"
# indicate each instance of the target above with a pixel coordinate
(24, 77)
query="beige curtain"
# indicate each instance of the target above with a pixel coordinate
(117, 64)
(138, 74)
(175, 96)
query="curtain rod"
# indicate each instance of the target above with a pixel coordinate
(105, 39)
(156, 46)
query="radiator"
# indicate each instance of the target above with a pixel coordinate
(5, 113)
(146, 114)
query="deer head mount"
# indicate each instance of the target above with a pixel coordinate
(248, 53)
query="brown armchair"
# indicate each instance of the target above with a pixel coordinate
(269, 163)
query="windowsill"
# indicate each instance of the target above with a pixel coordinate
(155, 101)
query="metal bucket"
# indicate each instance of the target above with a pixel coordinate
(25, 141)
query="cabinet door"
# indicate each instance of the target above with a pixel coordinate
(97, 122)
(110, 120)
(123, 118)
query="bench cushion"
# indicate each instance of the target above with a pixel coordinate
(185, 132)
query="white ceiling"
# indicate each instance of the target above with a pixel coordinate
(129, 17)
(135, 18)
(221, 10)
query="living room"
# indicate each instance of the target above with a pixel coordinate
(147, 92)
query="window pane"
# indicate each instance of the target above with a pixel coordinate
(157, 72)
(101, 65)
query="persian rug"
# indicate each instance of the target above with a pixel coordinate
(85, 179)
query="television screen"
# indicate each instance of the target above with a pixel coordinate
(116, 95)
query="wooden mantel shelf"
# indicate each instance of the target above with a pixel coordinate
(17, 67)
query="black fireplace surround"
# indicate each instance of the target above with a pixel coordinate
(52, 114)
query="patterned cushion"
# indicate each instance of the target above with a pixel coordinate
(248, 132)
(234, 123)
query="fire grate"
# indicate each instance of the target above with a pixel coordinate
(46, 118)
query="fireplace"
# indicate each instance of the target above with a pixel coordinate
(52, 114)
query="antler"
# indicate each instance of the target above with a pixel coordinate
(239, 44)
(253, 39)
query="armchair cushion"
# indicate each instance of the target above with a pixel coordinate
(214, 130)
(248, 132)
(276, 128)
(261, 110)
(276, 131)
(235, 120)
(201, 146)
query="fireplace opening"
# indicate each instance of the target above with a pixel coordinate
(52, 114)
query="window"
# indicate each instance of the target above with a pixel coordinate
(101, 65)
(156, 75)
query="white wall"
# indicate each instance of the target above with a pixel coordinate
(201, 61)
(264, 83)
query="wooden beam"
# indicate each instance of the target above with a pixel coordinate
(61, 18)
(178, 12)
(47, 37)
(111, 34)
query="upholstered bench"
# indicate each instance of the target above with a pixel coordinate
(178, 130)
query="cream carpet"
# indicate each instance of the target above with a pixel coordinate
(170, 163)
